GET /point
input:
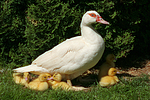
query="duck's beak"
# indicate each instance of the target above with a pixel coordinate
(50, 78)
(99, 19)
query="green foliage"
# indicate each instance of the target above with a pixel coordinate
(31, 27)
(47, 25)
(12, 27)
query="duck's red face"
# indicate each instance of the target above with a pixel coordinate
(101, 20)
(98, 18)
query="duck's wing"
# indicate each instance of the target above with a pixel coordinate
(63, 58)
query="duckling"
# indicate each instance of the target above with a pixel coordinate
(111, 79)
(56, 83)
(21, 79)
(40, 83)
(17, 77)
(25, 79)
(103, 70)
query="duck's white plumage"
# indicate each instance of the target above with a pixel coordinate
(73, 56)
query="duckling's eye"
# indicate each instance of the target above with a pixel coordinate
(44, 76)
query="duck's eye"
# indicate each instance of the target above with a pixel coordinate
(44, 76)
(92, 15)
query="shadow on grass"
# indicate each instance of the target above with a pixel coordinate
(92, 79)
(86, 81)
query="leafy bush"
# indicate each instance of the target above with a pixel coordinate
(12, 27)
(29, 28)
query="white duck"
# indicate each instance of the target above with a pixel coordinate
(75, 55)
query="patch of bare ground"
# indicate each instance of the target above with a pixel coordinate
(138, 71)
(134, 66)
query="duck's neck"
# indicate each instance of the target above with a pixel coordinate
(90, 34)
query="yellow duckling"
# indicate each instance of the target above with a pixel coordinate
(40, 83)
(21, 79)
(55, 82)
(111, 79)
(103, 70)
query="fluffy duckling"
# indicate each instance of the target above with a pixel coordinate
(111, 79)
(55, 82)
(109, 63)
(21, 79)
(40, 83)
(17, 77)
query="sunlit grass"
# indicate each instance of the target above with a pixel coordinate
(137, 88)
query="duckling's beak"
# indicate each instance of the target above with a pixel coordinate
(115, 59)
(118, 72)
(50, 78)
(26, 78)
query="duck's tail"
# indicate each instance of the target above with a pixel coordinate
(31, 68)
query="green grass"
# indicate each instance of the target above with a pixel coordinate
(137, 88)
